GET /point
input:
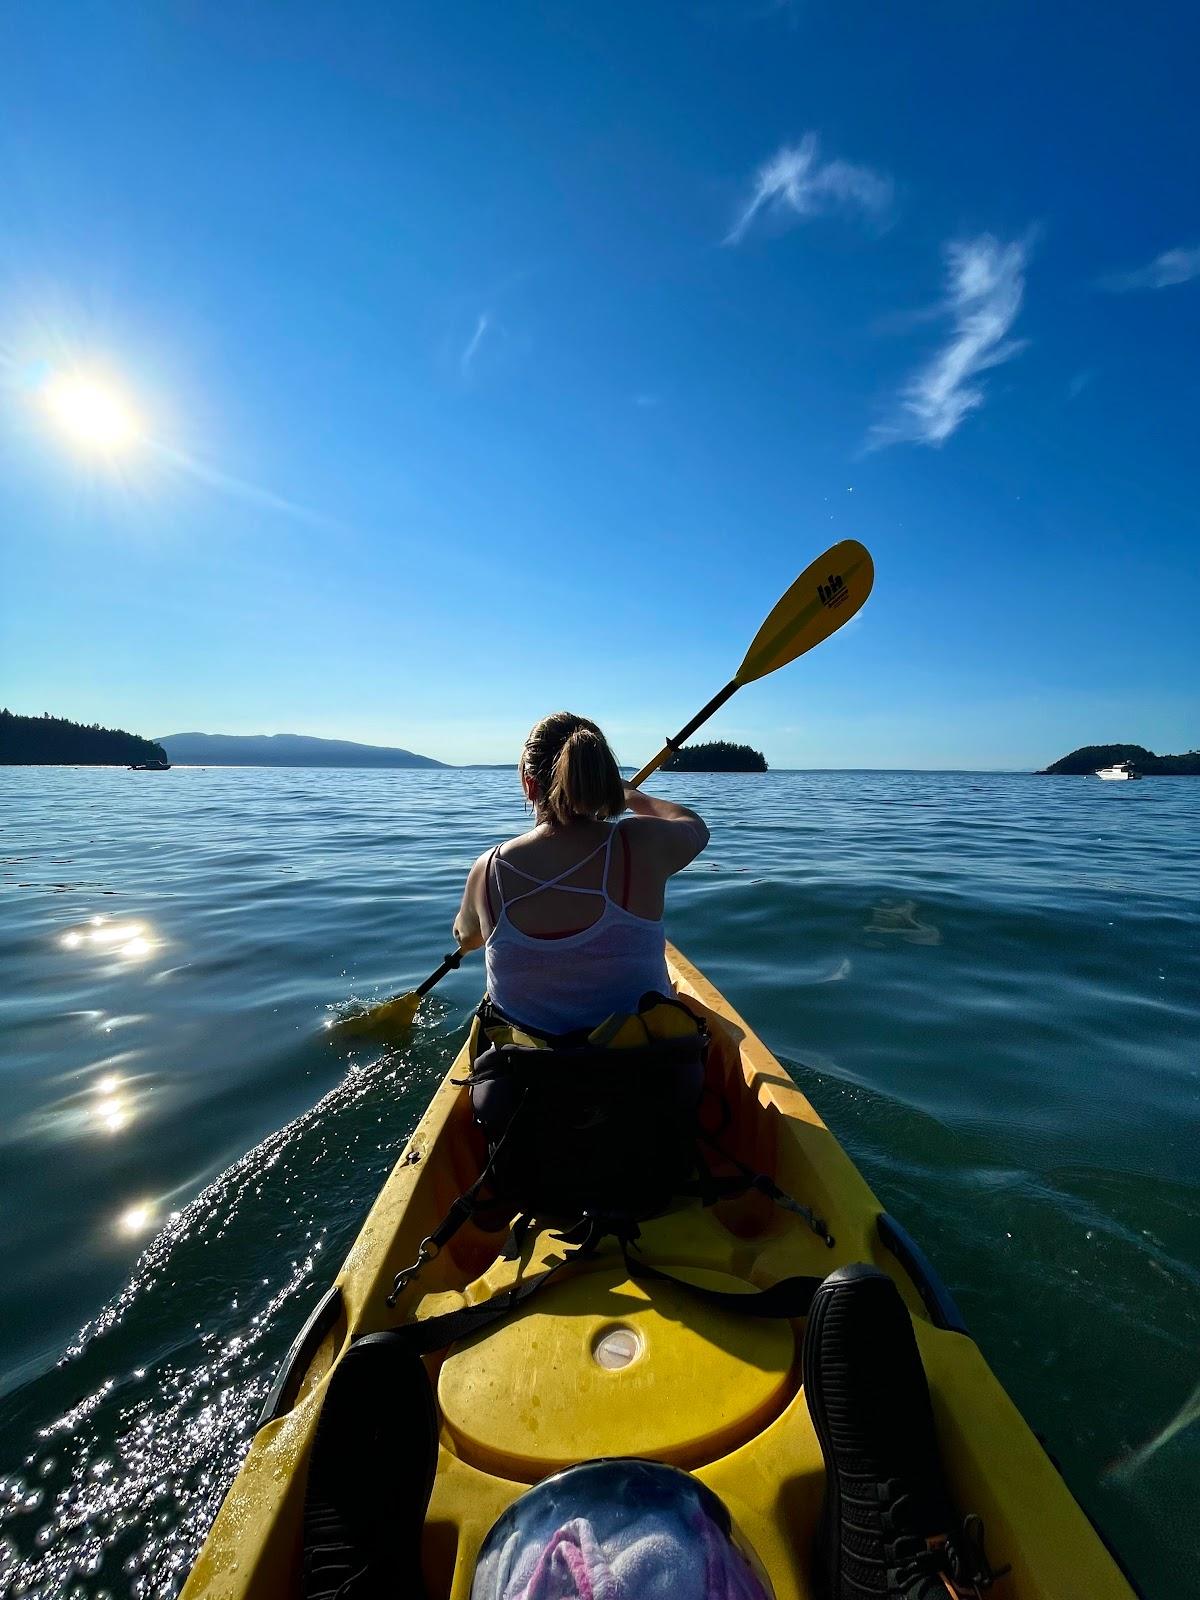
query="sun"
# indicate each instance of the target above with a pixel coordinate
(92, 414)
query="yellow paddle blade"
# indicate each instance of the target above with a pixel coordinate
(823, 597)
(386, 1022)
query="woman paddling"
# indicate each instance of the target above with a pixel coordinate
(570, 913)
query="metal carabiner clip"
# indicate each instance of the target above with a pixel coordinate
(426, 1252)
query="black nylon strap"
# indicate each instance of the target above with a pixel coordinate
(435, 1333)
(458, 1215)
(768, 1186)
(790, 1297)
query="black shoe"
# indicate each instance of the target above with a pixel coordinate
(370, 1475)
(887, 1530)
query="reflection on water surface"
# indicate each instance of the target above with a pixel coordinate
(132, 940)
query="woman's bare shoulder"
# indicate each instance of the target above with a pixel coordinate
(519, 845)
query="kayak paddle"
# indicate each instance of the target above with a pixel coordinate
(391, 1017)
(823, 598)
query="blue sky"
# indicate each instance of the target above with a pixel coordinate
(491, 358)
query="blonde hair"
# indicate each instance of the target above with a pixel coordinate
(574, 769)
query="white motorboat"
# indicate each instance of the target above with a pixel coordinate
(1120, 772)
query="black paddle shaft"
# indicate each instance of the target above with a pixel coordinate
(685, 733)
(715, 704)
(449, 963)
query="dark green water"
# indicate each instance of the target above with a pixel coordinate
(988, 985)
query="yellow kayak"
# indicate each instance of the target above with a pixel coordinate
(603, 1363)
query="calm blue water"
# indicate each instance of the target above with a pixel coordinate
(988, 985)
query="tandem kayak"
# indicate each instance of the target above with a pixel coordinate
(605, 1363)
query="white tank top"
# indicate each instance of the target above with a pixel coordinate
(558, 985)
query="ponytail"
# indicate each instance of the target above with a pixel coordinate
(574, 769)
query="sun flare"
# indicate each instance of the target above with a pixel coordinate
(137, 1219)
(91, 414)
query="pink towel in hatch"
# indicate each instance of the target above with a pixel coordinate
(649, 1558)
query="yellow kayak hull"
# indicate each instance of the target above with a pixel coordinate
(599, 1365)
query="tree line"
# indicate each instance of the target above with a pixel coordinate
(48, 741)
(716, 756)
(1091, 757)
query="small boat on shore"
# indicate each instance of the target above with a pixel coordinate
(150, 766)
(1120, 772)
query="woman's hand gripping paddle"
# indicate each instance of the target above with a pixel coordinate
(823, 598)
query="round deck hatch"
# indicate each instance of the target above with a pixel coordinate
(600, 1366)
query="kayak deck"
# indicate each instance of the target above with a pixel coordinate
(599, 1365)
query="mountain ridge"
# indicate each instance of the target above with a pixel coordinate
(285, 750)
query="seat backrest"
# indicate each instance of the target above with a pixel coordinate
(595, 1131)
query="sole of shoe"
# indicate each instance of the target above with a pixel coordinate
(827, 1544)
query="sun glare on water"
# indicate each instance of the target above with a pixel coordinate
(93, 415)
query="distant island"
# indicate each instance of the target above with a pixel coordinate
(1091, 757)
(283, 750)
(717, 756)
(48, 741)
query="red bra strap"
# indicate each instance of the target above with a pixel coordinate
(487, 884)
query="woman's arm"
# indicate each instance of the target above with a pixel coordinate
(468, 929)
(676, 833)
(646, 805)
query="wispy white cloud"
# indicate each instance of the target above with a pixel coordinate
(796, 184)
(1164, 272)
(471, 349)
(1079, 382)
(985, 284)
(647, 401)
